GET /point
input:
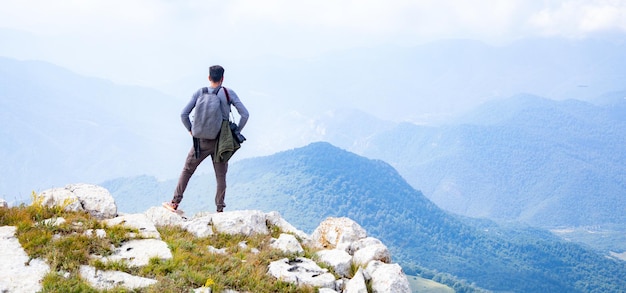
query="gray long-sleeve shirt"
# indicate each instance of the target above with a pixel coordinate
(234, 100)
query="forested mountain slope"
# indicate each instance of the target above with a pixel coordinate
(320, 180)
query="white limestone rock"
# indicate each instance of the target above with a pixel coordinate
(217, 250)
(162, 217)
(387, 278)
(339, 260)
(198, 226)
(17, 274)
(287, 243)
(61, 197)
(356, 284)
(138, 253)
(140, 222)
(56, 221)
(274, 218)
(95, 199)
(240, 223)
(3, 203)
(82, 197)
(373, 252)
(106, 280)
(301, 271)
(337, 233)
(326, 290)
(100, 233)
(367, 241)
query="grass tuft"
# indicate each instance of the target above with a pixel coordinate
(67, 246)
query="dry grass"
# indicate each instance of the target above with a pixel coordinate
(66, 247)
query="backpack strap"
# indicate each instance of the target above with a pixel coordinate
(205, 90)
(227, 95)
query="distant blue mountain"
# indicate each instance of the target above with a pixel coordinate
(58, 127)
(308, 184)
(544, 162)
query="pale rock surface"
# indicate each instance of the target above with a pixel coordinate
(301, 271)
(337, 233)
(106, 280)
(240, 223)
(15, 275)
(356, 284)
(373, 252)
(287, 243)
(387, 278)
(100, 233)
(338, 259)
(95, 199)
(139, 252)
(217, 250)
(276, 219)
(61, 197)
(326, 290)
(140, 222)
(198, 226)
(57, 221)
(162, 217)
(367, 241)
(3, 203)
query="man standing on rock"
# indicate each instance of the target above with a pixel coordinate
(205, 141)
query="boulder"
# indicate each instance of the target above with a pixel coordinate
(338, 259)
(367, 241)
(356, 284)
(18, 273)
(95, 199)
(373, 252)
(274, 218)
(162, 217)
(337, 233)
(3, 203)
(106, 280)
(61, 197)
(198, 226)
(387, 278)
(287, 243)
(240, 223)
(301, 271)
(141, 222)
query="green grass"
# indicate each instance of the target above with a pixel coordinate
(66, 247)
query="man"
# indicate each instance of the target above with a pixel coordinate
(204, 147)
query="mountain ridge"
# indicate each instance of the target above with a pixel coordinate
(321, 180)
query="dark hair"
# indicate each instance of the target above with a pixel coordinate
(216, 73)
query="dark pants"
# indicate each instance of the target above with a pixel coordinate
(207, 148)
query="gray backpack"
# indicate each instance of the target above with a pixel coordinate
(208, 115)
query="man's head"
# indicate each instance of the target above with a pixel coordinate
(216, 73)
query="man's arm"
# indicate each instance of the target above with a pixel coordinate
(241, 109)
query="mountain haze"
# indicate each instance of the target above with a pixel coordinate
(320, 180)
(59, 127)
(530, 159)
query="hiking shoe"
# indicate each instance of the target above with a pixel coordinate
(170, 206)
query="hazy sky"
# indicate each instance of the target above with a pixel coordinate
(148, 42)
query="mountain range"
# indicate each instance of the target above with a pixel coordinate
(321, 180)
(58, 127)
(530, 159)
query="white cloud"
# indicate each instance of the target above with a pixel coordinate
(155, 40)
(578, 18)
